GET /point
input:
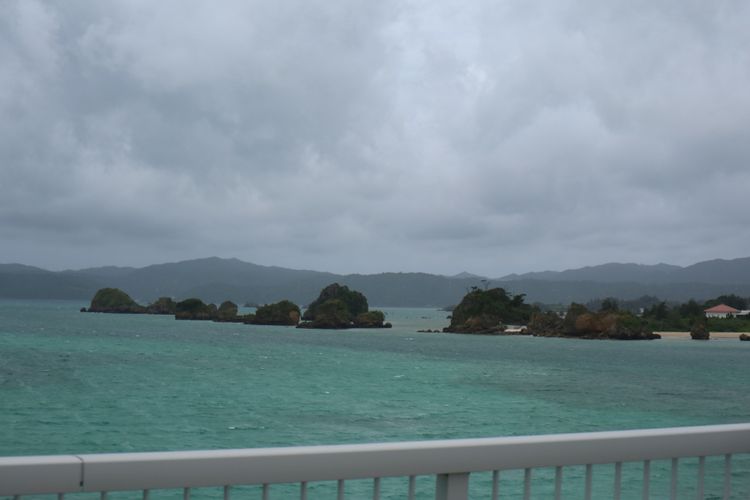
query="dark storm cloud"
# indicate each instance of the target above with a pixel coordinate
(369, 136)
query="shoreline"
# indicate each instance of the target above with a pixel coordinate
(686, 335)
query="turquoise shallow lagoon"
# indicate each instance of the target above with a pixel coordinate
(81, 383)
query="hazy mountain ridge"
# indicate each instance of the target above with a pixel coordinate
(717, 271)
(101, 272)
(215, 279)
(22, 269)
(604, 273)
(564, 292)
(18, 281)
(465, 274)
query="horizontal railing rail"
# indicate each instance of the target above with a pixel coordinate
(450, 460)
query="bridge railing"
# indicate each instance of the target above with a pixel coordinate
(450, 462)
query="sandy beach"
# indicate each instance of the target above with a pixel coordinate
(686, 335)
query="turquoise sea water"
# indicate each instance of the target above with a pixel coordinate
(83, 383)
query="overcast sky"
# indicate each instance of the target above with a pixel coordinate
(368, 136)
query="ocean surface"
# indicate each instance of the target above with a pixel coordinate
(82, 383)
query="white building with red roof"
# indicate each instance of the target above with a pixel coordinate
(721, 311)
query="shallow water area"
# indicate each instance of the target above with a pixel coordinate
(74, 382)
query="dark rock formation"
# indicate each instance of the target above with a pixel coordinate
(485, 324)
(580, 323)
(744, 337)
(284, 312)
(163, 305)
(338, 307)
(331, 314)
(371, 319)
(195, 309)
(570, 324)
(485, 311)
(699, 331)
(352, 301)
(114, 300)
(227, 313)
(619, 330)
(546, 324)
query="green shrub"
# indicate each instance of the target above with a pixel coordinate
(114, 300)
(284, 312)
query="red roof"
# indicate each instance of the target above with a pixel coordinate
(722, 308)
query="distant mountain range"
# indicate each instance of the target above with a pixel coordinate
(717, 272)
(214, 279)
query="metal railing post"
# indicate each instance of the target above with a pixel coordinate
(452, 486)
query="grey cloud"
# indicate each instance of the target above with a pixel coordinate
(370, 136)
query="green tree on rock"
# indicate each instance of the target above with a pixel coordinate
(484, 311)
(354, 302)
(114, 300)
(284, 312)
(339, 307)
(609, 305)
(227, 311)
(195, 309)
(731, 300)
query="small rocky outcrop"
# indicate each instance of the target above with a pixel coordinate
(284, 312)
(371, 319)
(195, 309)
(699, 331)
(485, 324)
(744, 337)
(484, 312)
(114, 300)
(620, 331)
(338, 307)
(227, 313)
(162, 305)
(330, 315)
(579, 322)
(353, 302)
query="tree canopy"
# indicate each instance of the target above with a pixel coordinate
(485, 310)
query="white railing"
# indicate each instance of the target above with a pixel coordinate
(450, 461)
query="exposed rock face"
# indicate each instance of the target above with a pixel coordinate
(338, 307)
(163, 305)
(195, 309)
(484, 311)
(744, 337)
(371, 319)
(284, 312)
(619, 331)
(699, 331)
(580, 323)
(114, 300)
(485, 324)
